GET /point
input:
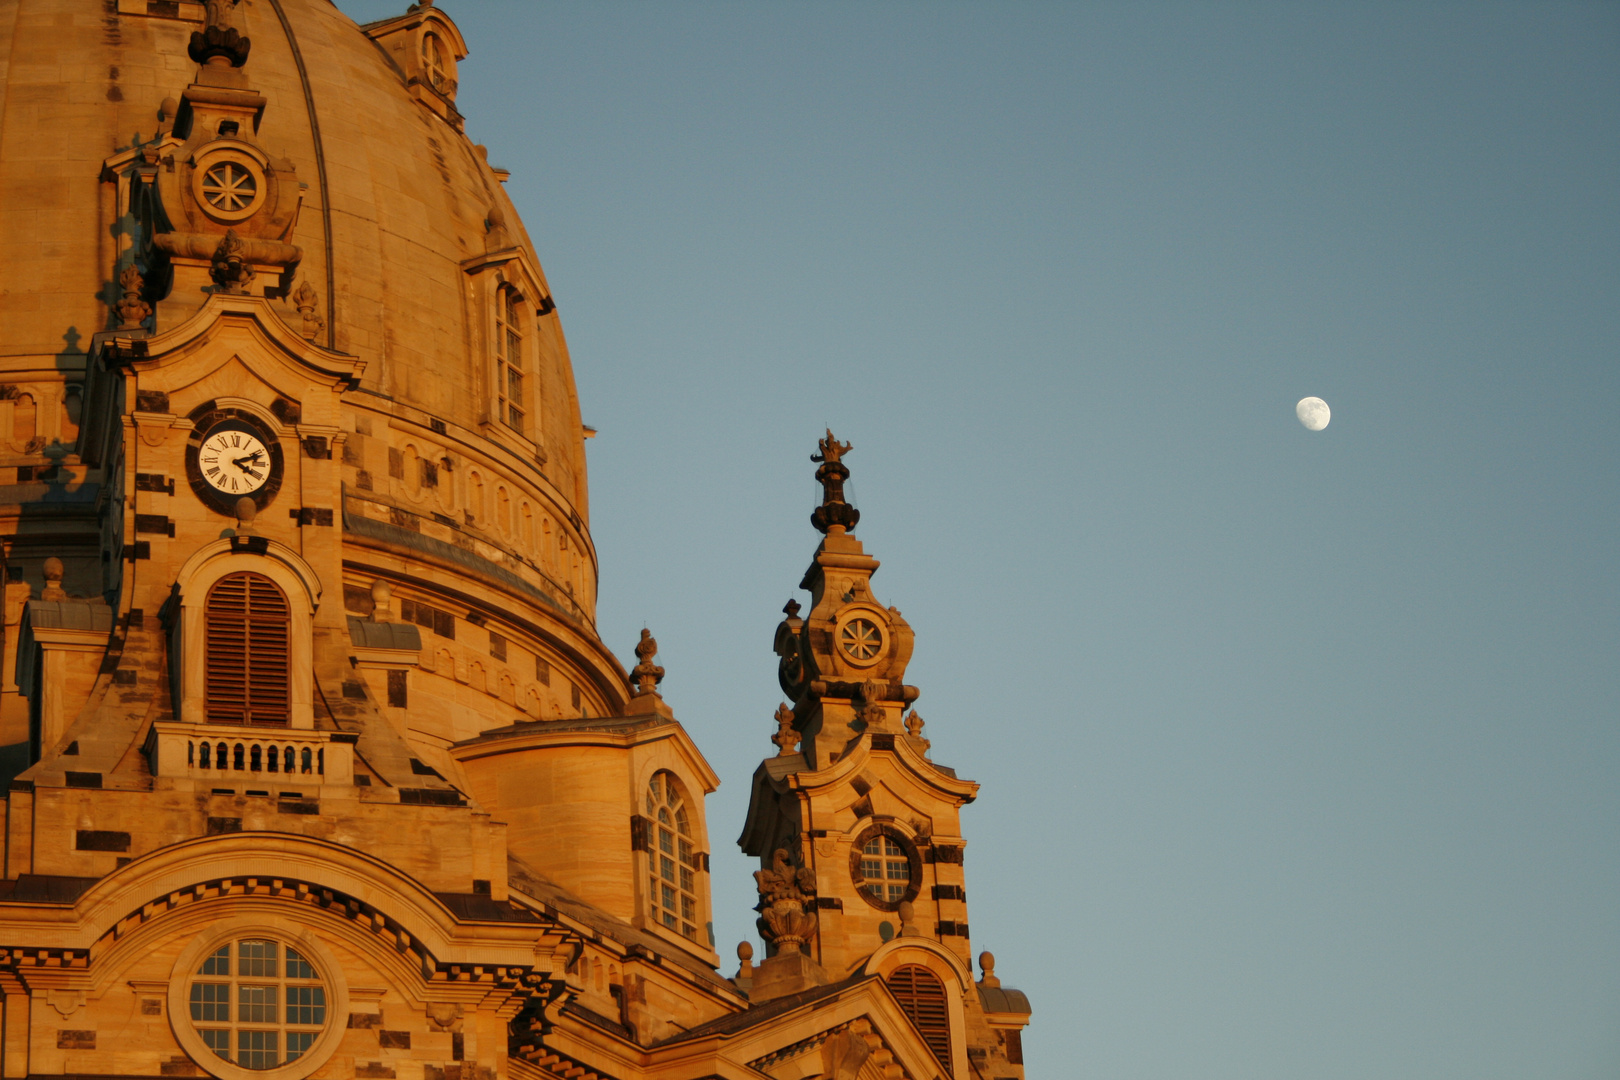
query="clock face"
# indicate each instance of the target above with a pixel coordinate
(231, 455)
(234, 460)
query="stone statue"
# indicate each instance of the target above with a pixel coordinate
(786, 739)
(231, 271)
(783, 892)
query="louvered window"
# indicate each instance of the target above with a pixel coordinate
(248, 630)
(922, 996)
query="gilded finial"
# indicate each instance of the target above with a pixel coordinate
(834, 515)
(646, 675)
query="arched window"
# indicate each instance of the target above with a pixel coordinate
(247, 632)
(673, 864)
(435, 66)
(922, 997)
(509, 359)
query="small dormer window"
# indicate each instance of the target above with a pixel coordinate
(509, 360)
(673, 863)
(435, 62)
(248, 632)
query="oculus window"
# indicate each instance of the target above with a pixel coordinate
(258, 1003)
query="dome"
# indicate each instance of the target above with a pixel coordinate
(148, 143)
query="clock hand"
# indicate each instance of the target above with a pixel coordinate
(251, 459)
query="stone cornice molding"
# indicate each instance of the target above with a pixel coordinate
(171, 350)
(150, 880)
(550, 734)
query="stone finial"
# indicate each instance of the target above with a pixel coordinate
(786, 739)
(834, 515)
(791, 609)
(784, 891)
(53, 580)
(246, 510)
(308, 303)
(382, 601)
(218, 43)
(745, 960)
(230, 270)
(132, 311)
(646, 675)
(908, 916)
(987, 969)
(167, 111)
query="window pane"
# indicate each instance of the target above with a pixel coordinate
(686, 879)
(872, 847)
(306, 1005)
(666, 868)
(218, 963)
(669, 897)
(298, 967)
(871, 868)
(669, 920)
(256, 1004)
(257, 1049)
(666, 841)
(211, 1002)
(257, 958)
(688, 909)
(298, 1042)
(686, 853)
(218, 1041)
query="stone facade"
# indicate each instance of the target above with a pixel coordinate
(316, 763)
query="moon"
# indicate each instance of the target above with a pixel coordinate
(1314, 413)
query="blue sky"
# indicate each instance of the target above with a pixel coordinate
(1299, 751)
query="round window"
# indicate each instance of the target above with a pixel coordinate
(861, 640)
(886, 866)
(258, 1002)
(229, 184)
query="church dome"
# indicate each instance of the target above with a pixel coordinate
(366, 118)
(328, 164)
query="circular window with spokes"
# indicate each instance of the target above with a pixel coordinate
(230, 185)
(258, 1002)
(861, 639)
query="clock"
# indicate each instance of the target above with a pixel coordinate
(231, 455)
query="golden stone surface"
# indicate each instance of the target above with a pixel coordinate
(253, 218)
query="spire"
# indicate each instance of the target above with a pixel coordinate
(834, 515)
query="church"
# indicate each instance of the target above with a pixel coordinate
(315, 764)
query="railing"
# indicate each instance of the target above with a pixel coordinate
(229, 752)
